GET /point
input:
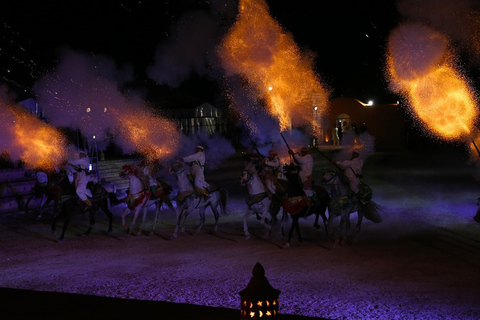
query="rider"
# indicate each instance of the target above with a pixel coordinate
(80, 166)
(305, 161)
(146, 168)
(197, 164)
(274, 171)
(352, 169)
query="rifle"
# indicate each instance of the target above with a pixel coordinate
(475, 145)
(255, 147)
(329, 160)
(285, 140)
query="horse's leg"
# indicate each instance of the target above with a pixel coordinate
(26, 204)
(329, 227)
(358, 226)
(168, 202)
(201, 213)
(284, 220)
(290, 233)
(477, 215)
(68, 217)
(106, 210)
(124, 214)
(245, 227)
(344, 223)
(216, 214)
(178, 213)
(158, 205)
(135, 216)
(45, 202)
(91, 216)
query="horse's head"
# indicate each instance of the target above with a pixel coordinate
(176, 168)
(128, 170)
(291, 170)
(329, 177)
(245, 177)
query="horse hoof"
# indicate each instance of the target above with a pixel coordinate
(59, 240)
(247, 236)
(316, 226)
(287, 246)
(477, 218)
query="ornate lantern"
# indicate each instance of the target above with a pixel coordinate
(259, 300)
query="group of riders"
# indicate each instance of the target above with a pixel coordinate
(270, 169)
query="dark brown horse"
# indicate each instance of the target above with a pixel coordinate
(298, 205)
(49, 191)
(71, 205)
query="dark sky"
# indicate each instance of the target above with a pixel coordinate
(348, 37)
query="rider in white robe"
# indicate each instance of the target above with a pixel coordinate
(197, 164)
(80, 167)
(352, 169)
(305, 161)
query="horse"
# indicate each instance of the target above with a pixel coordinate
(298, 205)
(142, 195)
(49, 191)
(343, 203)
(476, 218)
(71, 205)
(188, 199)
(258, 200)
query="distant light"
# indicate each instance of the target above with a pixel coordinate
(93, 137)
(366, 35)
(270, 88)
(88, 110)
(370, 102)
(398, 102)
(315, 108)
(105, 109)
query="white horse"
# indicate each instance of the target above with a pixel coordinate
(258, 201)
(140, 196)
(189, 200)
(342, 204)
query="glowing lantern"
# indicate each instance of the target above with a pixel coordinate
(259, 300)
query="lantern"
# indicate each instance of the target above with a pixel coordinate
(259, 300)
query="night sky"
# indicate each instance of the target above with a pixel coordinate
(348, 38)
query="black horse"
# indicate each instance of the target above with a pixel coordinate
(49, 191)
(72, 205)
(298, 205)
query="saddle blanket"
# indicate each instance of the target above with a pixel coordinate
(295, 204)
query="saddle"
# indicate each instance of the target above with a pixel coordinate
(255, 198)
(294, 205)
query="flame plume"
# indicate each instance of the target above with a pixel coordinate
(258, 49)
(425, 74)
(141, 131)
(36, 143)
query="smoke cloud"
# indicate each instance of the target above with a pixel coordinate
(457, 19)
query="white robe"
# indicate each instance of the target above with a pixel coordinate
(197, 163)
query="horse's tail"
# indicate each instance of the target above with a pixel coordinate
(113, 199)
(223, 201)
(370, 211)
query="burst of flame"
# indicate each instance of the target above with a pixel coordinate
(257, 48)
(151, 135)
(38, 144)
(439, 96)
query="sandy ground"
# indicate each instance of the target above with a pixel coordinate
(421, 262)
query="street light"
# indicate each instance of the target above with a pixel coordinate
(259, 300)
